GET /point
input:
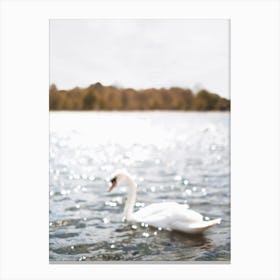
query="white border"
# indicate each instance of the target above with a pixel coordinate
(255, 138)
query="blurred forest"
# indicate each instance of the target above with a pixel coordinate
(99, 97)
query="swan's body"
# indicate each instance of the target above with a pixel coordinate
(169, 215)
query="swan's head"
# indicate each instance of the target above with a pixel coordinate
(113, 183)
(118, 177)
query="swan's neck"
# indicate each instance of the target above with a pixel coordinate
(131, 198)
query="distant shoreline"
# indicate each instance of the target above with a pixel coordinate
(97, 97)
(137, 111)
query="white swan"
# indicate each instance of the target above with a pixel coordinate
(169, 215)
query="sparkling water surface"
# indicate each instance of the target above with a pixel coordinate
(173, 156)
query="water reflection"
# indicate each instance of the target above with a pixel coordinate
(189, 240)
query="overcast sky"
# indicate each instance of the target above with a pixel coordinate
(141, 53)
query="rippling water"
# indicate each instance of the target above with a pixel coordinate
(174, 156)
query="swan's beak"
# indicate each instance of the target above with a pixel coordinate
(112, 184)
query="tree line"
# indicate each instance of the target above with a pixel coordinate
(99, 97)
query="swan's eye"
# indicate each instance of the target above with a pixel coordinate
(114, 180)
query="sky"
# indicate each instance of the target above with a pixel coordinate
(141, 53)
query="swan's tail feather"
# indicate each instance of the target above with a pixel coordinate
(199, 227)
(196, 227)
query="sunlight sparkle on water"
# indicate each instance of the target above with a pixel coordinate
(213, 147)
(186, 182)
(188, 192)
(145, 234)
(65, 192)
(177, 178)
(139, 204)
(91, 178)
(141, 179)
(77, 189)
(111, 203)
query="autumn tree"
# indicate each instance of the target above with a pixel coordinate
(99, 97)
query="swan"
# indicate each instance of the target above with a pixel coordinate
(168, 215)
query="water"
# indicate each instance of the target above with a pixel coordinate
(173, 156)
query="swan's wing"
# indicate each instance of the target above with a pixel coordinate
(159, 220)
(161, 209)
(174, 216)
(186, 215)
(165, 214)
(150, 210)
(155, 214)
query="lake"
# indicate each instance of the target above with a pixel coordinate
(173, 156)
